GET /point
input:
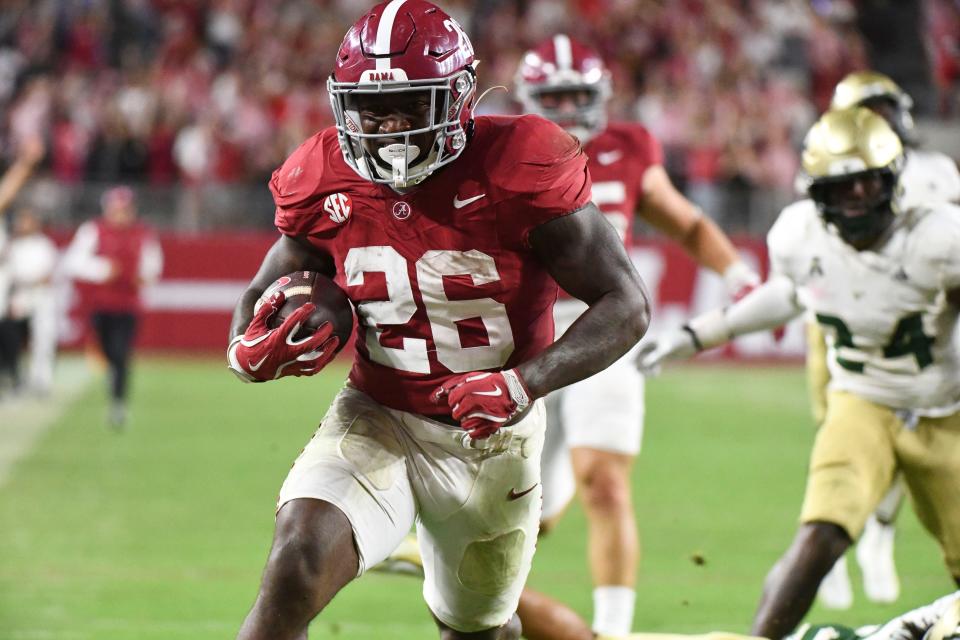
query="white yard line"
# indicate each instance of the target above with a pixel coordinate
(23, 420)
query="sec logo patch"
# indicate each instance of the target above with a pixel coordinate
(338, 206)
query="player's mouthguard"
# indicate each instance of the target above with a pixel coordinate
(399, 156)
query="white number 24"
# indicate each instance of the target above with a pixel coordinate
(442, 312)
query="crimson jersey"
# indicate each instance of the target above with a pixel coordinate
(443, 278)
(619, 157)
(124, 246)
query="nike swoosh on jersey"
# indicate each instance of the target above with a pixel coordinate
(255, 367)
(609, 157)
(514, 495)
(459, 204)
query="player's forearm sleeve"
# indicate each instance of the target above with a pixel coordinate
(768, 306)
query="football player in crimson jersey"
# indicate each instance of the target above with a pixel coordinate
(449, 233)
(596, 425)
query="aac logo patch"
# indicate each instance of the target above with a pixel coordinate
(338, 206)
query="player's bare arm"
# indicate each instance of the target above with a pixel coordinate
(682, 221)
(28, 156)
(285, 256)
(584, 255)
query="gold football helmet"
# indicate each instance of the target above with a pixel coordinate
(881, 94)
(852, 161)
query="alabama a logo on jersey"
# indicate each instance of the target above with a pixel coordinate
(338, 206)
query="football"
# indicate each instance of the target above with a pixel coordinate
(301, 287)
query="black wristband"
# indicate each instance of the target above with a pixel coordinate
(693, 336)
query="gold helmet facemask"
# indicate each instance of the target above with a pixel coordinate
(846, 146)
(881, 94)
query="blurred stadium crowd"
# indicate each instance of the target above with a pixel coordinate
(196, 102)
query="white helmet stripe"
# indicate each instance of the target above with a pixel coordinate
(384, 31)
(561, 45)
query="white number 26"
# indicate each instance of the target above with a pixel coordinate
(442, 312)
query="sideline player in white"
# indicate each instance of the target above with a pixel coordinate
(885, 284)
(596, 425)
(927, 176)
(33, 260)
(14, 178)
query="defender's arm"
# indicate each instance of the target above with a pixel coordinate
(767, 307)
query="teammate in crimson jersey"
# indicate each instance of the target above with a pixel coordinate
(115, 256)
(596, 425)
(449, 234)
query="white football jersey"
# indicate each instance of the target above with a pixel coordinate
(929, 176)
(889, 328)
(32, 260)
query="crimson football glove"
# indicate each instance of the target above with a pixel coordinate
(483, 402)
(262, 354)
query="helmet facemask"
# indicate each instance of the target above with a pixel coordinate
(578, 108)
(851, 161)
(566, 82)
(875, 211)
(403, 164)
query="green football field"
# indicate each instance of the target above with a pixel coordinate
(161, 532)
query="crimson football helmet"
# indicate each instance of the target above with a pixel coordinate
(562, 65)
(404, 46)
